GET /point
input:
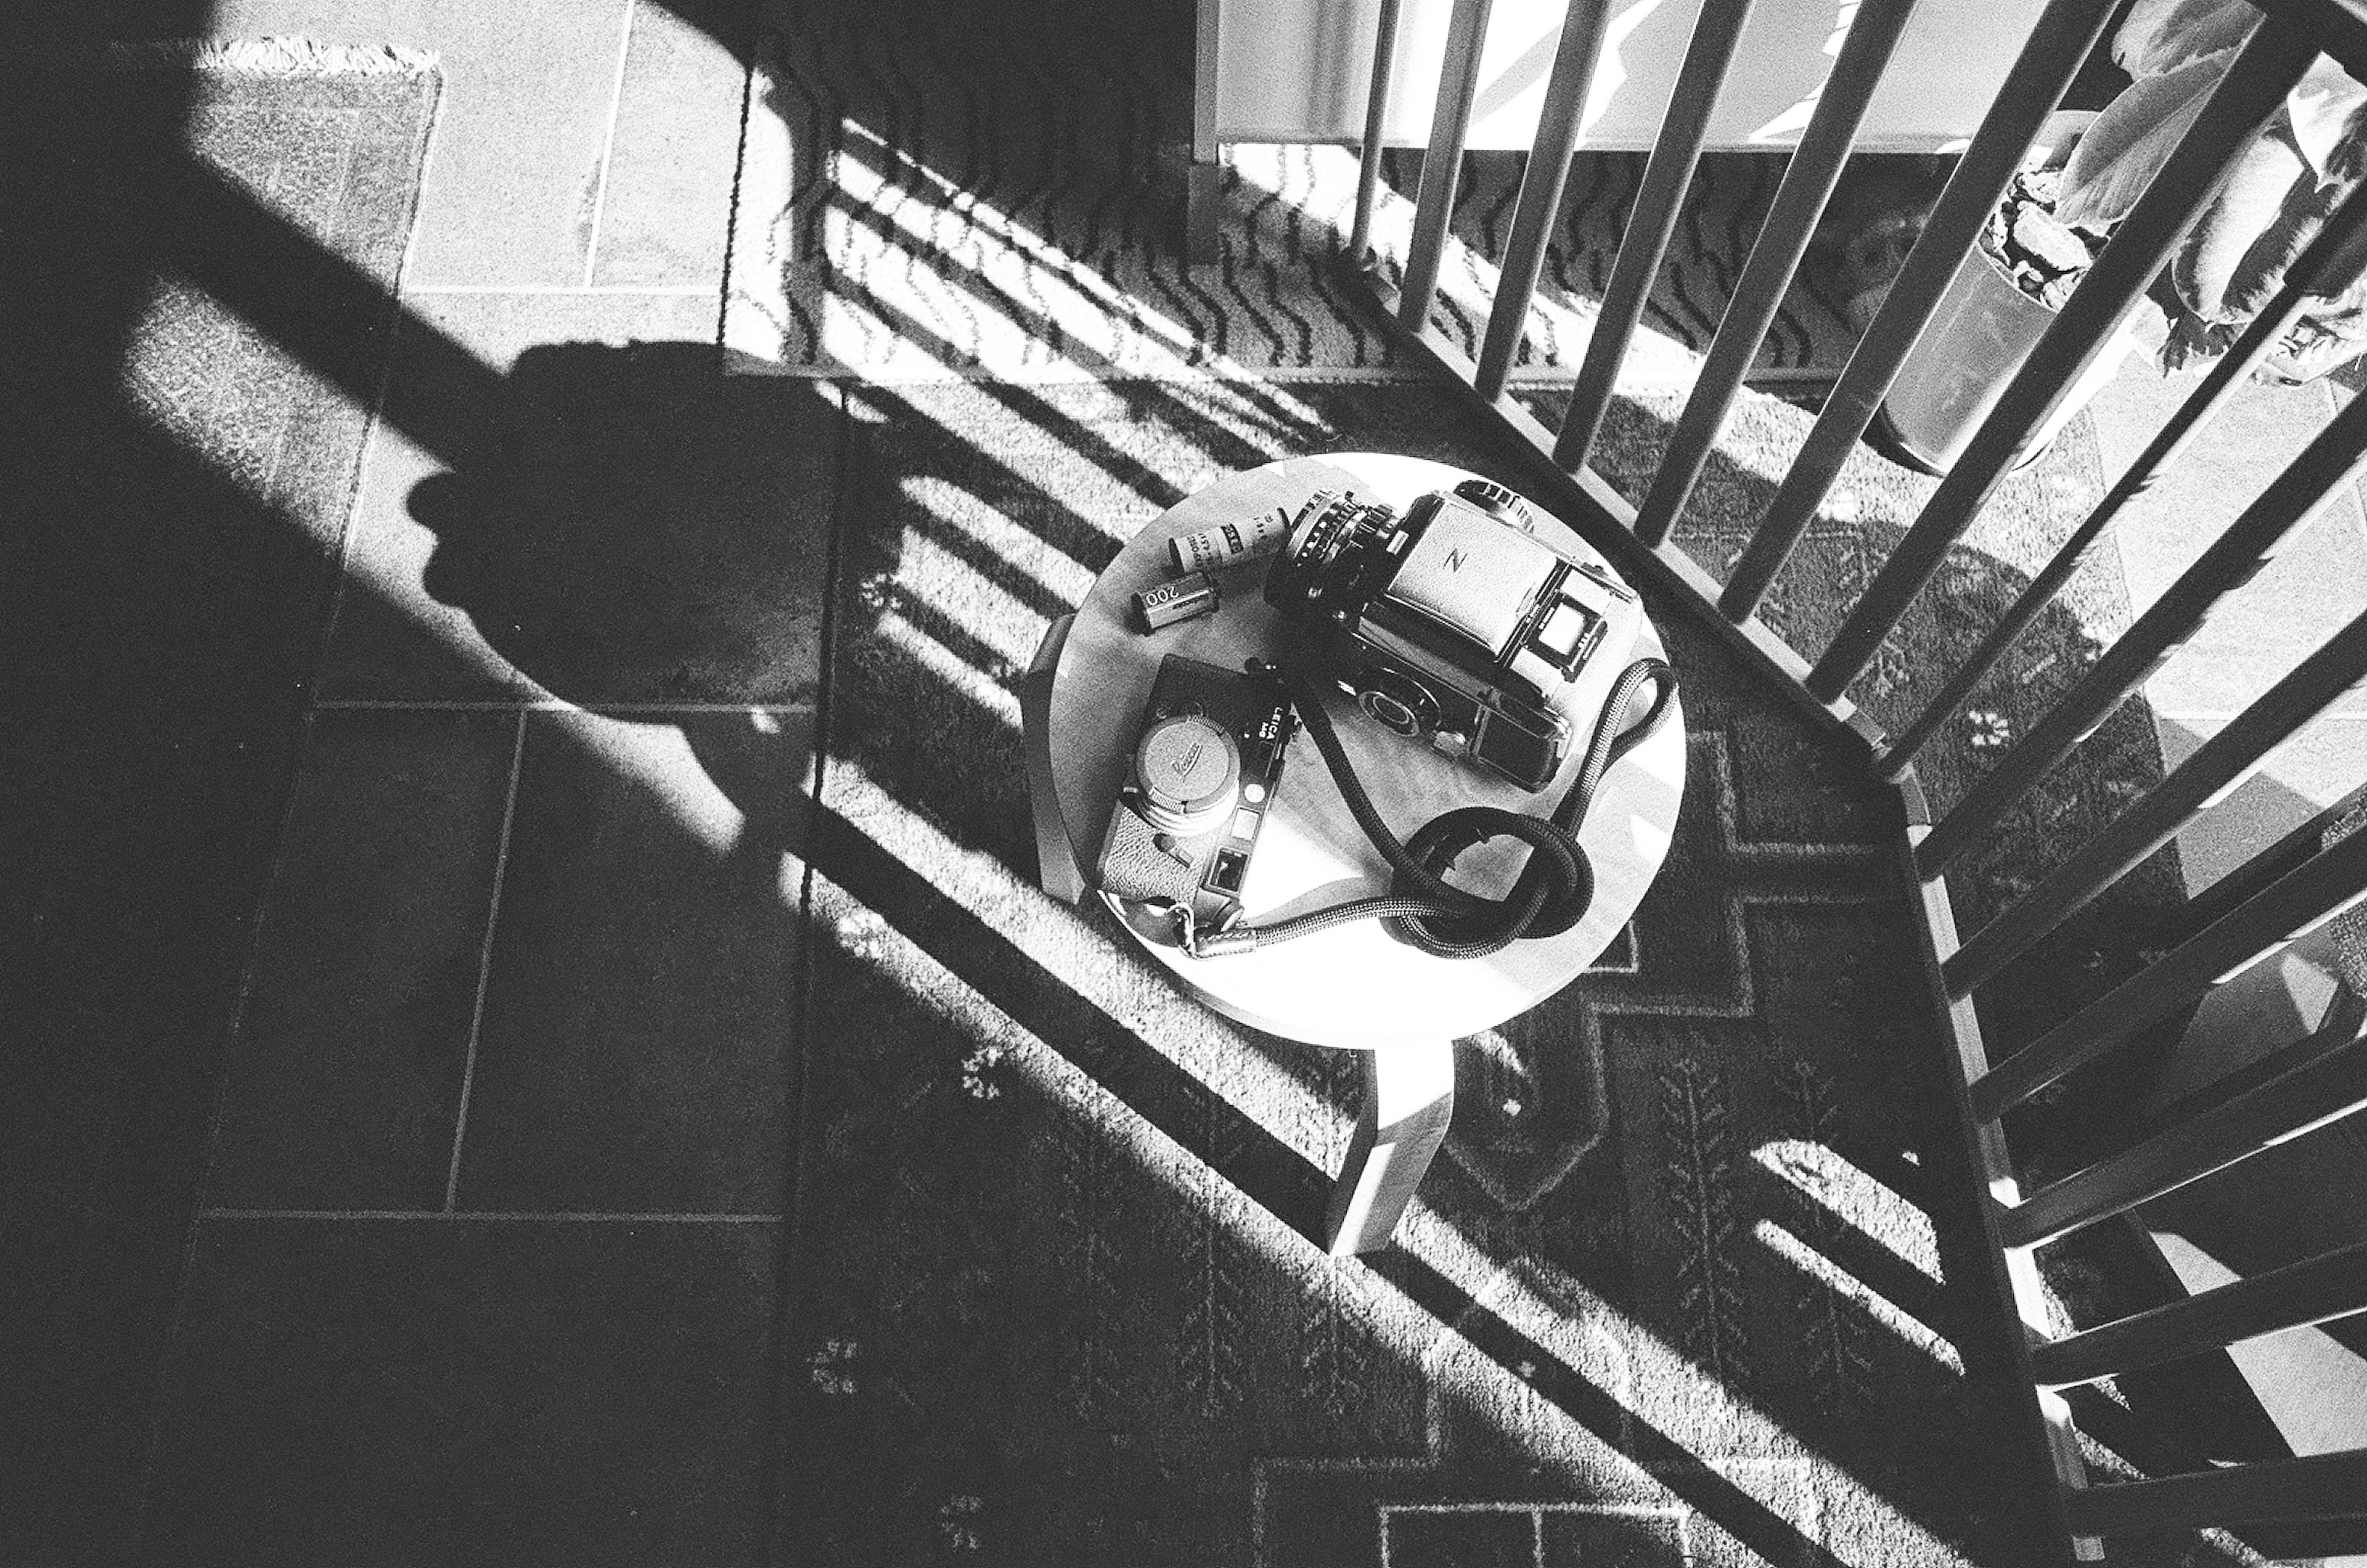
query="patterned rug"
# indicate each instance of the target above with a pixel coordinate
(935, 191)
(1869, 509)
(1674, 1293)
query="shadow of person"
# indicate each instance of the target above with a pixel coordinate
(636, 528)
(640, 534)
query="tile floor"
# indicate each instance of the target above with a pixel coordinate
(486, 1262)
(554, 1167)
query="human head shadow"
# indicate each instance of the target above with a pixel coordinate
(633, 527)
(627, 535)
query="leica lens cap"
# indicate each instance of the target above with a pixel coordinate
(1189, 773)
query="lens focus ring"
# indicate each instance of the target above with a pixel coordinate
(1301, 575)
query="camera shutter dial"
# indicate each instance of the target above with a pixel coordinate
(1189, 773)
(1505, 501)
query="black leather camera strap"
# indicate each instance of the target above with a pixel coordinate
(1554, 887)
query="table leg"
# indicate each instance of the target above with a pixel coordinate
(1409, 1100)
(1056, 868)
(1204, 205)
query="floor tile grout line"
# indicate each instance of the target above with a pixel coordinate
(608, 146)
(485, 966)
(448, 1216)
(570, 290)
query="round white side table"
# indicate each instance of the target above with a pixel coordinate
(1354, 987)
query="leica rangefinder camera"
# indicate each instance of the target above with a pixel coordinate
(1456, 624)
(1201, 779)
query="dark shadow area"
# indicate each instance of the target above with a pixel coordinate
(160, 623)
(170, 568)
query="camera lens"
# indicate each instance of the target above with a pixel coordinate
(1328, 543)
(1189, 772)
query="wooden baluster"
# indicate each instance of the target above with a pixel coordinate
(1670, 169)
(2292, 904)
(2065, 35)
(1442, 166)
(2219, 766)
(2330, 1084)
(1808, 181)
(2264, 70)
(2225, 377)
(1543, 181)
(2323, 1487)
(1376, 114)
(2301, 844)
(2316, 1290)
(2291, 499)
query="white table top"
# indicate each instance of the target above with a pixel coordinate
(1356, 985)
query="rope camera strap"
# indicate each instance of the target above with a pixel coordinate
(1554, 887)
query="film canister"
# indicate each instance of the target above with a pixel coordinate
(1230, 544)
(1179, 599)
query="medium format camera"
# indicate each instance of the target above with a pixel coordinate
(1202, 777)
(1455, 623)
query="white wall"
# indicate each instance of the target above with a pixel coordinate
(1296, 71)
